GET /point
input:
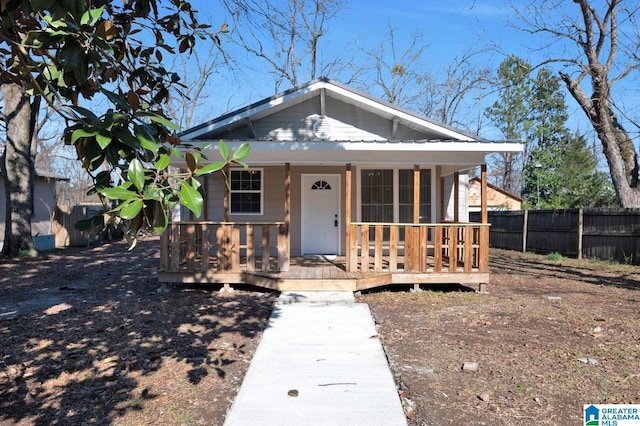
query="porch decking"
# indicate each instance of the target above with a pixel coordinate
(378, 255)
(324, 274)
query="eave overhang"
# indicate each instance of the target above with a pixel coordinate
(469, 153)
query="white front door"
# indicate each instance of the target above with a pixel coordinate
(320, 214)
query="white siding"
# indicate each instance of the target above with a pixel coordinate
(273, 199)
(463, 209)
(354, 124)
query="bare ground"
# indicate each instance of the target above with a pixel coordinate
(549, 337)
(86, 338)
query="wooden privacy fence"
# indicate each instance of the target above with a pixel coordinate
(607, 234)
(64, 225)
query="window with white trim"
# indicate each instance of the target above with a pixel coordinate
(245, 191)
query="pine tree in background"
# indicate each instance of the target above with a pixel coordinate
(565, 175)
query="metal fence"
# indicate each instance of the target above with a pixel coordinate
(607, 234)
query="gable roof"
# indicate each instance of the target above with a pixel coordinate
(320, 88)
(324, 122)
(498, 189)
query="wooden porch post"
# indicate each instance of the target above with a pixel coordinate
(225, 200)
(347, 219)
(284, 242)
(442, 214)
(483, 194)
(456, 196)
(416, 194)
(484, 230)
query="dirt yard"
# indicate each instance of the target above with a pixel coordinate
(549, 337)
(87, 338)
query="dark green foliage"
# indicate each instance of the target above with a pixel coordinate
(84, 55)
(557, 169)
(565, 175)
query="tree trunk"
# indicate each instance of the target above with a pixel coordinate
(18, 170)
(622, 160)
(616, 144)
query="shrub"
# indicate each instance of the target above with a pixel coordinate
(554, 256)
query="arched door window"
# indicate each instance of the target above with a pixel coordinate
(320, 184)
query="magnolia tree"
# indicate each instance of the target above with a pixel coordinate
(99, 64)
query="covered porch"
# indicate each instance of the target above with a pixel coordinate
(374, 254)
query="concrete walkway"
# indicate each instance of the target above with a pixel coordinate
(319, 362)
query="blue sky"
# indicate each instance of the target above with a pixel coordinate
(448, 29)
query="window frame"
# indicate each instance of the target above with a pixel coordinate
(395, 185)
(250, 191)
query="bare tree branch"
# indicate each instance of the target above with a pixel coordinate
(605, 60)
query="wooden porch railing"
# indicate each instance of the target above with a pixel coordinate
(414, 248)
(220, 246)
(200, 247)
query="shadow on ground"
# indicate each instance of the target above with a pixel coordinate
(583, 270)
(101, 341)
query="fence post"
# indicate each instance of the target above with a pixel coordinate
(525, 230)
(580, 232)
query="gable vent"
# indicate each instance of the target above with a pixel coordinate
(322, 128)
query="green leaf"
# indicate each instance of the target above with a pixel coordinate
(120, 101)
(152, 193)
(124, 136)
(114, 118)
(198, 157)
(119, 193)
(160, 219)
(51, 72)
(242, 152)
(161, 120)
(163, 162)
(145, 138)
(136, 173)
(84, 113)
(91, 16)
(176, 153)
(103, 140)
(82, 133)
(191, 198)
(197, 185)
(210, 168)
(243, 164)
(224, 150)
(131, 208)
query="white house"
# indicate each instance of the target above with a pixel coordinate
(334, 172)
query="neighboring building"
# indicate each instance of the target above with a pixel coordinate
(334, 172)
(497, 198)
(44, 205)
